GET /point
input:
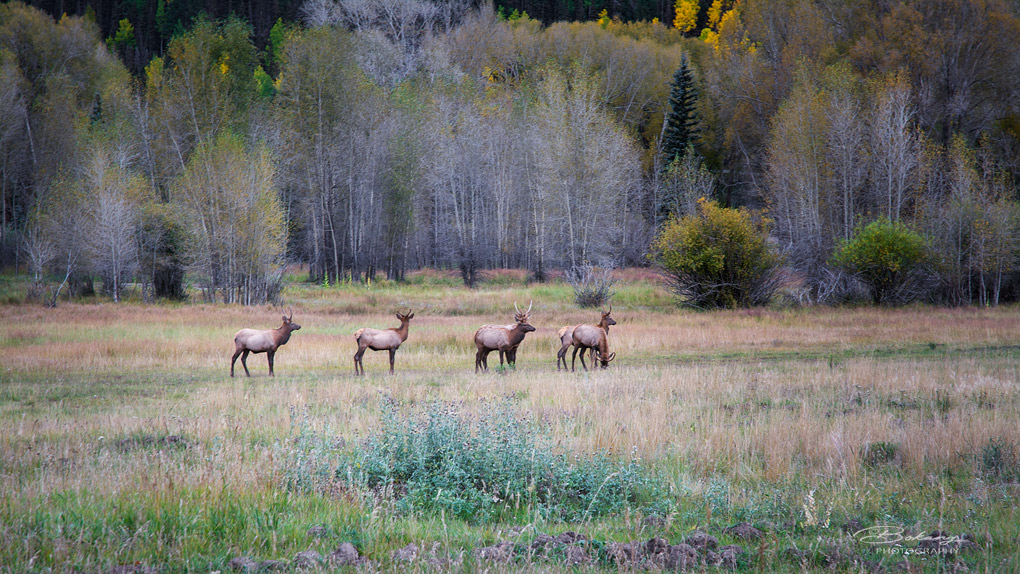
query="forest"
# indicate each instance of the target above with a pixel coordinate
(176, 147)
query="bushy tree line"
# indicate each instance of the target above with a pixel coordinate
(368, 139)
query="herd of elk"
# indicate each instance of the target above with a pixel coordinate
(256, 341)
(502, 338)
(381, 340)
(594, 337)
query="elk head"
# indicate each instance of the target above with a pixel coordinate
(288, 321)
(522, 318)
(605, 360)
(606, 319)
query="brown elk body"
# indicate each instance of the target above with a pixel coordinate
(594, 337)
(381, 340)
(256, 341)
(566, 336)
(502, 338)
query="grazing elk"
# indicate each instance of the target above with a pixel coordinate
(256, 341)
(502, 338)
(594, 337)
(566, 335)
(381, 340)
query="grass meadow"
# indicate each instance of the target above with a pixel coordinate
(125, 445)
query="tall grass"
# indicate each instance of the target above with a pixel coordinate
(904, 417)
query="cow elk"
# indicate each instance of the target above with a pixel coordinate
(502, 338)
(256, 341)
(594, 337)
(381, 340)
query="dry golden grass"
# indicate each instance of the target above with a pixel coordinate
(769, 396)
(684, 385)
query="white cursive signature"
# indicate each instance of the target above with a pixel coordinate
(894, 535)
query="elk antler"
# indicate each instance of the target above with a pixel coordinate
(516, 309)
(291, 316)
(528, 312)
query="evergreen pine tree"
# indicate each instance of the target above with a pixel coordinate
(681, 128)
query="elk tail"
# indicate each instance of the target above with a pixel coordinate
(357, 334)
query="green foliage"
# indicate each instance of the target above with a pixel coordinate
(719, 257)
(277, 37)
(125, 35)
(886, 256)
(264, 84)
(682, 128)
(476, 467)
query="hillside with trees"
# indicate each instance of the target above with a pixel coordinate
(177, 144)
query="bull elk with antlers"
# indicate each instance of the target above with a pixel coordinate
(381, 340)
(594, 337)
(256, 341)
(502, 338)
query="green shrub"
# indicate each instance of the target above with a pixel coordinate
(719, 257)
(476, 467)
(888, 257)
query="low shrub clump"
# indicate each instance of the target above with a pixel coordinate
(889, 258)
(479, 467)
(593, 285)
(718, 257)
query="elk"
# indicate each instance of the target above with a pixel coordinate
(566, 335)
(594, 337)
(502, 338)
(256, 341)
(381, 340)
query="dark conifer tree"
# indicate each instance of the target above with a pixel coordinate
(681, 127)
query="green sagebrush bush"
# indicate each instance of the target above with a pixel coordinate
(718, 257)
(477, 467)
(888, 257)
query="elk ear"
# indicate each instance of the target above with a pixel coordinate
(285, 319)
(411, 316)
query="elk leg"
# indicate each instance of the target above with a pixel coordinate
(573, 360)
(270, 356)
(358, 361)
(582, 360)
(501, 359)
(244, 361)
(233, 360)
(392, 353)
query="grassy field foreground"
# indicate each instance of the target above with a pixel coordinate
(125, 445)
